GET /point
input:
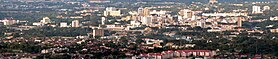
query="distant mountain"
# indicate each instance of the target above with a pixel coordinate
(246, 0)
(192, 0)
(153, 0)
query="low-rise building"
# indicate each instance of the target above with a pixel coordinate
(273, 18)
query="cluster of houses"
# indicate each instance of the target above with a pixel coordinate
(178, 54)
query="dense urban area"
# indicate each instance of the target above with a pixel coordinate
(138, 29)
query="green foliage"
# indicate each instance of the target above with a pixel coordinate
(263, 25)
(18, 47)
(50, 31)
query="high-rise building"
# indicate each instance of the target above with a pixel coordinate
(213, 1)
(201, 23)
(256, 9)
(98, 32)
(140, 11)
(186, 13)
(143, 11)
(239, 22)
(45, 20)
(75, 23)
(146, 20)
(103, 19)
(111, 11)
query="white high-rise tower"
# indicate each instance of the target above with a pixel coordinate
(103, 19)
(256, 10)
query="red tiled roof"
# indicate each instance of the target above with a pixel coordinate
(143, 54)
(155, 54)
(193, 51)
(169, 51)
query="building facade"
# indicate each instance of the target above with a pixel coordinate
(75, 23)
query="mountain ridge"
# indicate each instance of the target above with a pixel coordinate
(193, 0)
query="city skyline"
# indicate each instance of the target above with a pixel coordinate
(138, 29)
